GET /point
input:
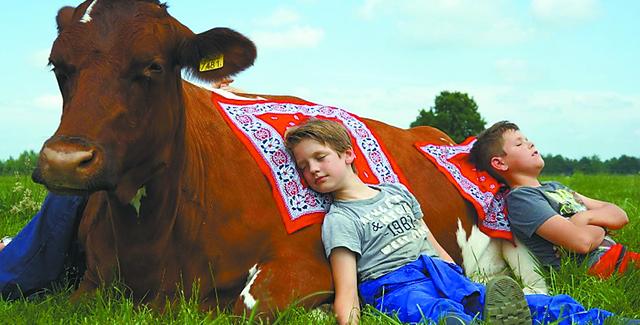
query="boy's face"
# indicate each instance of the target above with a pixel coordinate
(323, 169)
(521, 154)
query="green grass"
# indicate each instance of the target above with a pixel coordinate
(20, 199)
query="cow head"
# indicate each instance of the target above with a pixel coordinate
(118, 65)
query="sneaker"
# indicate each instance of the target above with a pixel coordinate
(504, 303)
(452, 319)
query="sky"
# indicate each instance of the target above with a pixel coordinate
(566, 71)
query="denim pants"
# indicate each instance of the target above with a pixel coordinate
(430, 288)
(37, 255)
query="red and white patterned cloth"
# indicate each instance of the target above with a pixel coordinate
(260, 125)
(484, 192)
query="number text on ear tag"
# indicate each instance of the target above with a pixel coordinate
(212, 63)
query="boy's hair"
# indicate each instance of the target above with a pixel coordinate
(327, 132)
(489, 145)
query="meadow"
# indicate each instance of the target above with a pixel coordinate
(20, 200)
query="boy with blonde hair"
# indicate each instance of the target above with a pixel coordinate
(547, 216)
(406, 272)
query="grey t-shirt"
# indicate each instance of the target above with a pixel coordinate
(385, 231)
(530, 207)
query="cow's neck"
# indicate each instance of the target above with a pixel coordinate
(146, 213)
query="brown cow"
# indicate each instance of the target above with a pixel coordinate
(131, 128)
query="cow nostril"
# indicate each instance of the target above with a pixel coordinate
(87, 159)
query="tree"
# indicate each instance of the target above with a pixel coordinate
(624, 165)
(23, 165)
(590, 165)
(557, 165)
(454, 113)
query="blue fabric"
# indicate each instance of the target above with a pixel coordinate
(566, 310)
(36, 256)
(429, 288)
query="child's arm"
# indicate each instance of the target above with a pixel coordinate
(530, 212)
(417, 212)
(600, 213)
(576, 238)
(441, 252)
(343, 268)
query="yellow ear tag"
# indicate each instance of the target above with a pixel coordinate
(212, 64)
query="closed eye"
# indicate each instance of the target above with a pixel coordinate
(63, 73)
(155, 67)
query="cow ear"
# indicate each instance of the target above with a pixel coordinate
(64, 17)
(217, 53)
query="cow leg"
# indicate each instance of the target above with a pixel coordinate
(525, 267)
(85, 288)
(482, 256)
(274, 286)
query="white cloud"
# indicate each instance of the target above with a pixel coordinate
(367, 10)
(563, 11)
(571, 123)
(450, 22)
(293, 37)
(48, 101)
(39, 59)
(514, 70)
(281, 17)
(284, 32)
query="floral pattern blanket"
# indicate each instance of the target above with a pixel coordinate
(260, 125)
(485, 193)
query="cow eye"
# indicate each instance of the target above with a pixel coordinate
(151, 70)
(154, 68)
(63, 73)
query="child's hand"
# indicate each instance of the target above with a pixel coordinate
(603, 214)
(582, 218)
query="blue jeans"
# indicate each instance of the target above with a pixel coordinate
(430, 288)
(36, 256)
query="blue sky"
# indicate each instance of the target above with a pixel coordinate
(566, 71)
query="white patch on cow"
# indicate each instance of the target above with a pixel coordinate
(87, 14)
(443, 139)
(135, 202)
(484, 257)
(230, 95)
(247, 298)
(524, 266)
(481, 255)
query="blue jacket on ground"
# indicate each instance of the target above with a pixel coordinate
(429, 288)
(36, 256)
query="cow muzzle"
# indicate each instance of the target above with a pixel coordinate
(71, 165)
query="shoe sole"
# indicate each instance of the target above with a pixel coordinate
(505, 303)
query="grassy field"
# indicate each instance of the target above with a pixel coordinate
(20, 199)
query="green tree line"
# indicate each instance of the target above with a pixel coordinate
(23, 165)
(556, 164)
